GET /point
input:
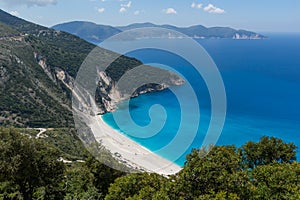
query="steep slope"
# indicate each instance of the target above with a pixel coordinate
(95, 33)
(38, 66)
(28, 96)
(6, 31)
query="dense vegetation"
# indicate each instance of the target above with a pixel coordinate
(30, 169)
(29, 95)
(58, 166)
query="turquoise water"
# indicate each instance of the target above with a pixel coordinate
(262, 81)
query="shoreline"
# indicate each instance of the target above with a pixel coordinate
(130, 152)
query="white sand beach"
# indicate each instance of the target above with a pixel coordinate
(127, 150)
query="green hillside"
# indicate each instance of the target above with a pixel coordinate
(31, 96)
(53, 164)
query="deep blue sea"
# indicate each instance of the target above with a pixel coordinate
(262, 82)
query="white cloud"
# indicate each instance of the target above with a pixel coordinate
(124, 7)
(137, 12)
(213, 9)
(101, 10)
(122, 10)
(14, 13)
(29, 2)
(197, 6)
(128, 5)
(170, 11)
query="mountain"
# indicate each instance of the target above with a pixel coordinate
(38, 66)
(199, 31)
(28, 95)
(96, 33)
(88, 30)
(137, 25)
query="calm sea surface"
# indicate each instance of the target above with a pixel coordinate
(262, 82)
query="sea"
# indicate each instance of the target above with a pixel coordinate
(262, 84)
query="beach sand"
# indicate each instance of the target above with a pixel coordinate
(129, 152)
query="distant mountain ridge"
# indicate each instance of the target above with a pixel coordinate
(97, 33)
(87, 30)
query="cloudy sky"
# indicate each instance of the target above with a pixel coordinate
(256, 15)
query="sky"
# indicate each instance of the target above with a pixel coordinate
(255, 15)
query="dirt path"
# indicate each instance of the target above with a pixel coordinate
(40, 134)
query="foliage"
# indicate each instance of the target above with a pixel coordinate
(29, 164)
(27, 96)
(137, 186)
(29, 168)
(68, 143)
(221, 172)
(277, 181)
(6, 31)
(79, 184)
(266, 151)
(31, 95)
(19, 24)
(89, 180)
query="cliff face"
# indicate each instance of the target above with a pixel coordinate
(36, 85)
(241, 36)
(38, 67)
(108, 94)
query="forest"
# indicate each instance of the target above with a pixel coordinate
(30, 168)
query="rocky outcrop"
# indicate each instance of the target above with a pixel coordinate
(108, 95)
(42, 63)
(238, 36)
(65, 78)
(3, 75)
(57, 75)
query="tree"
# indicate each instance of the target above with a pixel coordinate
(137, 186)
(79, 184)
(103, 175)
(219, 171)
(276, 181)
(30, 165)
(222, 172)
(8, 190)
(267, 151)
(89, 180)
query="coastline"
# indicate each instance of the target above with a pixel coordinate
(130, 152)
